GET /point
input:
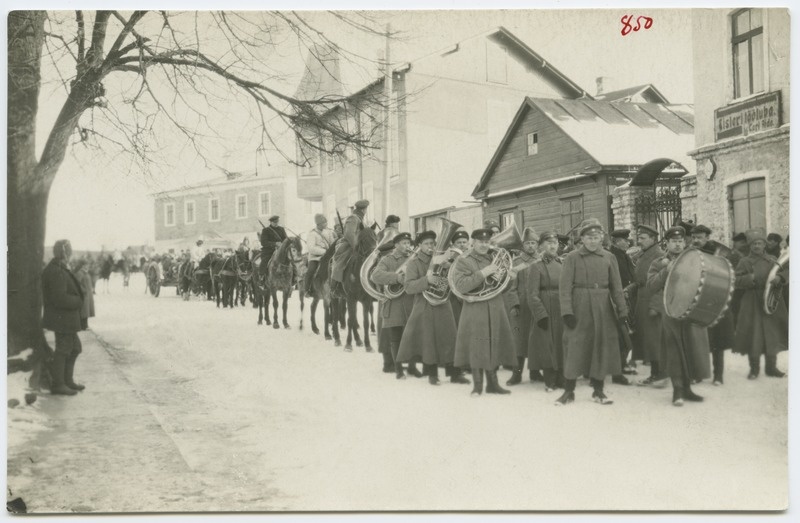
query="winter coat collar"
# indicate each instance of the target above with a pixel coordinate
(473, 253)
(586, 252)
(424, 258)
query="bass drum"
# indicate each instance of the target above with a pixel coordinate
(698, 288)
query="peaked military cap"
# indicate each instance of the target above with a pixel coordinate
(675, 233)
(400, 237)
(647, 230)
(701, 229)
(274, 218)
(621, 233)
(361, 204)
(392, 218)
(741, 237)
(590, 225)
(425, 235)
(547, 235)
(482, 234)
(460, 234)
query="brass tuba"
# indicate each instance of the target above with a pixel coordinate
(439, 292)
(773, 294)
(502, 243)
(395, 290)
(369, 266)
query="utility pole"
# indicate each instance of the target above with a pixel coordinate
(387, 127)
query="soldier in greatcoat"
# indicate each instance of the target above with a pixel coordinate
(347, 245)
(588, 284)
(395, 312)
(647, 338)
(484, 340)
(685, 343)
(384, 335)
(430, 332)
(619, 244)
(757, 332)
(545, 349)
(460, 242)
(521, 323)
(271, 238)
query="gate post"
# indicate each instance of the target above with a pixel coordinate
(689, 197)
(623, 205)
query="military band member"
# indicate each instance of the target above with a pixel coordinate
(757, 332)
(395, 312)
(384, 335)
(545, 350)
(647, 338)
(271, 238)
(521, 323)
(619, 245)
(430, 332)
(685, 343)
(460, 242)
(589, 283)
(392, 224)
(720, 336)
(347, 246)
(484, 340)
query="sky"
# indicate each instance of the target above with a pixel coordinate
(102, 198)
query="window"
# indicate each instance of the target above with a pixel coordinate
(263, 203)
(169, 214)
(533, 143)
(496, 66)
(571, 213)
(241, 206)
(748, 52)
(188, 212)
(506, 219)
(213, 209)
(749, 205)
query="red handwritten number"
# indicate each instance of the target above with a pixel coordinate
(627, 27)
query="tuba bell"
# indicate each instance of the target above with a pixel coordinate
(773, 294)
(494, 285)
(371, 263)
(439, 292)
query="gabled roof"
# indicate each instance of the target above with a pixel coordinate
(612, 134)
(648, 91)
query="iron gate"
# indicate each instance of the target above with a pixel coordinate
(659, 208)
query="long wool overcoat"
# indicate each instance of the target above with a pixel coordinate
(589, 281)
(521, 324)
(484, 339)
(394, 313)
(647, 337)
(757, 332)
(545, 347)
(456, 305)
(62, 298)
(679, 340)
(430, 332)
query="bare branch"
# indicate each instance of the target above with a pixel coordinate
(81, 36)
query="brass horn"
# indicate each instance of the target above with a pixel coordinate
(371, 263)
(439, 292)
(773, 293)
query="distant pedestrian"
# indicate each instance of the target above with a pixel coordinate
(63, 305)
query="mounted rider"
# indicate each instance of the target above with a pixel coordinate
(271, 238)
(320, 238)
(345, 248)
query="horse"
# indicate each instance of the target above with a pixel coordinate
(197, 280)
(354, 292)
(321, 289)
(281, 275)
(108, 266)
(244, 277)
(225, 279)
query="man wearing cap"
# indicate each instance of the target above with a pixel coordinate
(430, 333)
(774, 245)
(484, 340)
(685, 343)
(619, 248)
(346, 247)
(271, 238)
(320, 238)
(63, 302)
(395, 312)
(545, 348)
(521, 323)
(384, 335)
(588, 284)
(491, 225)
(647, 337)
(720, 336)
(757, 332)
(392, 224)
(460, 242)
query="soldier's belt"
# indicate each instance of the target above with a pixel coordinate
(591, 286)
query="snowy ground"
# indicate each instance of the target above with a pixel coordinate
(191, 408)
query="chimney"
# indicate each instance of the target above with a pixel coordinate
(605, 84)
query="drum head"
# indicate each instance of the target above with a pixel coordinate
(683, 283)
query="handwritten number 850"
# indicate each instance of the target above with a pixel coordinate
(627, 27)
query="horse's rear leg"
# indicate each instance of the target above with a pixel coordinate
(302, 306)
(356, 326)
(275, 324)
(371, 319)
(284, 307)
(352, 330)
(314, 329)
(265, 300)
(334, 310)
(367, 312)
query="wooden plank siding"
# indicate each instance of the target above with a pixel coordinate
(558, 155)
(540, 208)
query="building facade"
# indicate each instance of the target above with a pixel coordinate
(742, 107)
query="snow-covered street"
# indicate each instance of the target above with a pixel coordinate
(193, 408)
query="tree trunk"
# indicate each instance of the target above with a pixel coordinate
(26, 208)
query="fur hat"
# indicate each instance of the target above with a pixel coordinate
(754, 235)
(425, 235)
(319, 219)
(392, 219)
(529, 235)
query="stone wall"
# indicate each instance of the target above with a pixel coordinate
(622, 205)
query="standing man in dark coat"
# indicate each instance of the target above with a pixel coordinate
(620, 244)
(757, 332)
(484, 340)
(685, 343)
(63, 304)
(720, 336)
(271, 238)
(774, 245)
(518, 286)
(647, 338)
(395, 312)
(589, 283)
(460, 242)
(430, 332)
(347, 245)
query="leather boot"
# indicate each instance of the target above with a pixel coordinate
(388, 362)
(688, 395)
(535, 375)
(492, 386)
(433, 373)
(677, 393)
(718, 360)
(69, 370)
(516, 376)
(477, 378)
(57, 373)
(755, 367)
(569, 393)
(598, 395)
(412, 370)
(456, 375)
(770, 367)
(549, 380)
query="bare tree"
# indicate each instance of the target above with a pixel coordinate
(175, 62)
